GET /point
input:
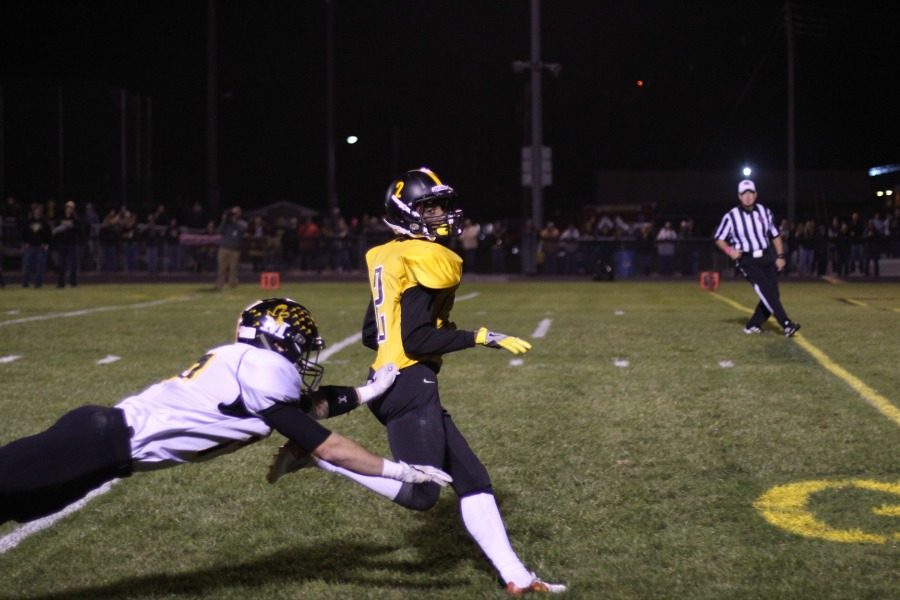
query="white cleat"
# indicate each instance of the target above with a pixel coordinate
(537, 586)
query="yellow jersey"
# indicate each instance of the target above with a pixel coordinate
(394, 268)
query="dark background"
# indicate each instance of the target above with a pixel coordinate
(430, 82)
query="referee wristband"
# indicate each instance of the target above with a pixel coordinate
(779, 256)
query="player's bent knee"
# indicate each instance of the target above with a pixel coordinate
(418, 496)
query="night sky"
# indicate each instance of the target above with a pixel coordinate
(430, 82)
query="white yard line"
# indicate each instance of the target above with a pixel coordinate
(542, 328)
(330, 351)
(89, 311)
(17, 536)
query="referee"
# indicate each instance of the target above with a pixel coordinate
(748, 234)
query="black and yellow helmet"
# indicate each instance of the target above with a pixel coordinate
(286, 327)
(405, 198)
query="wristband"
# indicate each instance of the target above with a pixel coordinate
(779, 256)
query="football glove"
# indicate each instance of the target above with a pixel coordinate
(414, 473)
(381, 380)
(492, 339)
(290, 457)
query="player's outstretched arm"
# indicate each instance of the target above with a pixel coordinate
(332, 400)
(344, 452)
(493, 339)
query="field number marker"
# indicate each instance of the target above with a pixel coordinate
(787, 507)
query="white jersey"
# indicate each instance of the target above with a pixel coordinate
(211, 408)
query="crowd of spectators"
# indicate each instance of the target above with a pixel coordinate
(163, 241)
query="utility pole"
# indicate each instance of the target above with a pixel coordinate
(331, 161)
(791, 140)
(61, 152)
(536, 153)
(212, 116)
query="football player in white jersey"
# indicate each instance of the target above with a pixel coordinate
(234, 395)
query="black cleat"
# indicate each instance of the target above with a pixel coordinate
(791, 328)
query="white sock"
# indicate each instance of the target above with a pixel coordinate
(484, 523)
(389, 488)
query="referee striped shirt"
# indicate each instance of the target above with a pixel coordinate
(748, 230)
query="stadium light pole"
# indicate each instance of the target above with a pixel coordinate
(331, 160)
(535, 65)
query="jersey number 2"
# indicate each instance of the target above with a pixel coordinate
(377, 302)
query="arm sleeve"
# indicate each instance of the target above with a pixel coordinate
(337, 398)
(290, 421)
(370, 328)
(420, 336)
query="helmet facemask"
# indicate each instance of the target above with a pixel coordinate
(448, 224)
(287, 328)
(408, 199)
(305, 360)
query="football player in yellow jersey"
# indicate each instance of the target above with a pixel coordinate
(413, 282)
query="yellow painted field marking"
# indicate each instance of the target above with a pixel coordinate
(855, 302)
(882, 404)
(787, 507)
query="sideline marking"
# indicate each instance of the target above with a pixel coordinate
(15, 537)
(542, 328)
(875, 399)
(10, 358)
(853, 302)
(96, 309)
(787, 507)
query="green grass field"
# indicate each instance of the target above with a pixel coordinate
(630, 451)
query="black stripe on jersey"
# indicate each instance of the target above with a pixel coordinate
(749, 231)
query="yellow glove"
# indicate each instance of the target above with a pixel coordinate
(492, 339)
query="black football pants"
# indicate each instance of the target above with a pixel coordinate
(43, 473)
(763, 276)
(420, 431)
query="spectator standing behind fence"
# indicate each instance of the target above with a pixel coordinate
(309, 234)
(665, 248)
(468, 239)
(90, 229)
(151, 234)
(128, 235)
(687, 249)
(569, 242)
(67, 234)
(747, 234)
(232, 229)
(109, 241)
(550, 247)
(36, 236)
(173, 246)
(2, 280)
